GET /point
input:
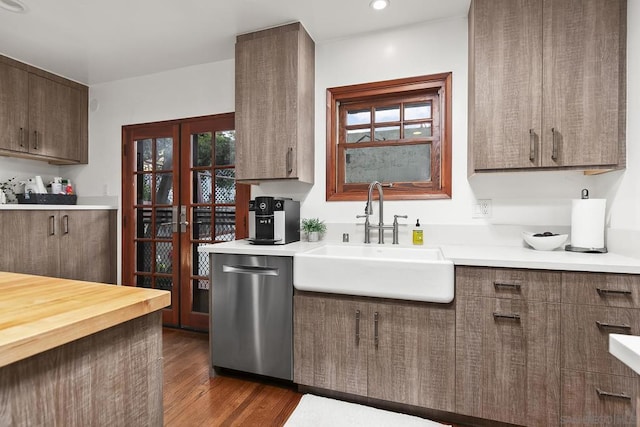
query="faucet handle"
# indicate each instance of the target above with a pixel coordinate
(395, 217)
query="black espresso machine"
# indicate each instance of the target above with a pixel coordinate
(274, 221)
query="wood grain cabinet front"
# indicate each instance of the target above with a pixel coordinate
(508, 345)
(42, 116)
(275, 105)
(597, 388)
(72, 244)
(547, 84)
(397, 351)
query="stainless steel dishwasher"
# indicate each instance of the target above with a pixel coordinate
(252, 314)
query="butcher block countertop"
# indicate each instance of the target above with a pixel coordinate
(40, 313)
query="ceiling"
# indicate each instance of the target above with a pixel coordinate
(96, 41)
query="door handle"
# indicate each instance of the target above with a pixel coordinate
(183, 219)
(52, 225)
(251, 269)
(375, 329)
(554, 145)
(65, 224)
(357, 327)
(21, 137)
(35, 139)
(289, 160)
(532, 145)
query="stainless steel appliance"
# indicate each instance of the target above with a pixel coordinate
(274, 221)
(252, 314)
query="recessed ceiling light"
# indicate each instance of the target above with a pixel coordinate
(16, 6)
(379, 4)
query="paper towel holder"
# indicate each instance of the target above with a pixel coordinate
(585, 195)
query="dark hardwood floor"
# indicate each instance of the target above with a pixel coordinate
(191, 398)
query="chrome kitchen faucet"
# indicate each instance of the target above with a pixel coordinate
(368, 210)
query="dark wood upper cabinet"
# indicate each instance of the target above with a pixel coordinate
(547, 84)
(274, 105)
(42, 116)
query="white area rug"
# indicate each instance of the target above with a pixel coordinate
(323, 412)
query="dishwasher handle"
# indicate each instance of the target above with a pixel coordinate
(251, 269)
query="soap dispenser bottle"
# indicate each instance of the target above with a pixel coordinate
(418, 234)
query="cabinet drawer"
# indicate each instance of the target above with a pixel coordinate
(585, 337)
(597, 399)
(533, 285)
(507, 360)
(612, 290)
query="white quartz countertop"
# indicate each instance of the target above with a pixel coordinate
(627, 349)
(40, 207)
(472, 255)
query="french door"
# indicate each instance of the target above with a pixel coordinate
(179, 192)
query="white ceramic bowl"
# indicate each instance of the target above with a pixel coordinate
(544, 243)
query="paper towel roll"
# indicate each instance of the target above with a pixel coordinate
(587, 223)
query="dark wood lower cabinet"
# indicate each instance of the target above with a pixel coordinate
(508, 360)
(398, 351)
(509, 349)
(598, 399)
(70, 244)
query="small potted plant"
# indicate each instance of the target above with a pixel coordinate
(314, 228)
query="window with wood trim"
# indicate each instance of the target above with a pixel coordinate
(397, 132)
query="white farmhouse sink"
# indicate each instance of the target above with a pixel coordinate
(420, 274)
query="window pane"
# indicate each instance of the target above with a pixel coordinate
(164, 188)
(408, 163)
(164, 153)
(203, 149)
(164, 225)
(143, 223)
(143, 256)
(225, 185)
(143, 188)
(225, 219)
(201, 225)
(388, 114)
(202, 187)
(417, 111)
(164, 254)
(388, 133)
(144, 155)
(358, 117)
(225, 148)
(359, 135)
(417, 130)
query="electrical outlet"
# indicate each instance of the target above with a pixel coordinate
(482, 209)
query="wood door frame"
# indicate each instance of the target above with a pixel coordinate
(181, 300)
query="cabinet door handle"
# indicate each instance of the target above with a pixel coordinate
(605, 325)
(52, 225)
(554, 145)
(602, 393)
(289, 160)
(605, 292)
(357, 327)
(35, 139)
(65, 224)
(514, 285)
(21, 137)
(532, 145)
(510, 316)
(375, 328)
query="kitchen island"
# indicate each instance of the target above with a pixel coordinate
(78, 353)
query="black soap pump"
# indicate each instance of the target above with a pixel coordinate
(418, 235)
